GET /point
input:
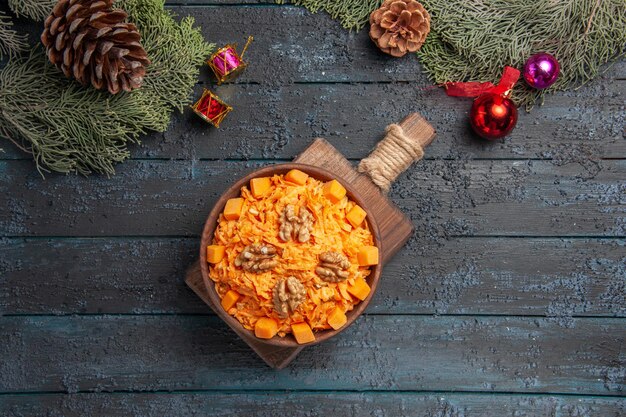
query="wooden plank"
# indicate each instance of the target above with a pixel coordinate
(274, 356)
(271, 404)
(274, 117)
(186, 3)
(297, 50)
(285, 53)
(279, 121)
(394, 227)
(341, 55)
(96, 276)
(560, 278)
(443, 197)
(588, 121)
(382, 353)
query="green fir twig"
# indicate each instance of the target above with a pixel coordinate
(35, 9)
(353, 14)
(11, 42)
(71, 128)
(474, 40)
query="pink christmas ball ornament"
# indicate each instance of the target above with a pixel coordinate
(541, 70)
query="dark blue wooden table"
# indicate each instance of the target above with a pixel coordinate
(509, 300)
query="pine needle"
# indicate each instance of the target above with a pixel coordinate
(35, 9)
(11, 43)
(353, 14)
(474, 40)
(70, 128)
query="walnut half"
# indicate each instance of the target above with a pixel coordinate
(288, 293)
(299, 227)
(333, 267)
(257, 258)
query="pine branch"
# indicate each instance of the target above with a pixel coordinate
(353, 14)
(35, 9)
(474, 40)
(175, 48)
(11, 43)
(70, 128)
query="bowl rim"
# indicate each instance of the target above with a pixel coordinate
(234, 191)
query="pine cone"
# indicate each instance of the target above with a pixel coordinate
(399, 26)
(90, 41)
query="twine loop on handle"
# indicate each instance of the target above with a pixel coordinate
(392, 156)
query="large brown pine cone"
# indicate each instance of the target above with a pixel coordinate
(90, 41)
(399, 26)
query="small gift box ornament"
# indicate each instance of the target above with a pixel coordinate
(226, 63)
(211, 108)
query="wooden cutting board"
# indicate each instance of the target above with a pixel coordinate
(395, 230)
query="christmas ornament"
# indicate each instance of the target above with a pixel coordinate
(541, 70)
(72, 129)
(226, 63)
(508, 79)
(91, 42)
(211, 108)
(493, 116)
(399, 26)
(473, 39)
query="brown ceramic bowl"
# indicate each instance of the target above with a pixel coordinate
(234, 191)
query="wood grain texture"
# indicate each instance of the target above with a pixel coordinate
(295, 52)
(394, 227)
(443, 198)
(278, 121)
(383, 353)
(532, 225)
(389, 235)
(272, 404)
(560, 278)
(274, 356)
(352, 92)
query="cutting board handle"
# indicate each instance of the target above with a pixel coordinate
(403, 145)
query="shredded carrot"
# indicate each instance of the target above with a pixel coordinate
(259, 223)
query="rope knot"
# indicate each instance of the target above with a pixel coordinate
(392, 156)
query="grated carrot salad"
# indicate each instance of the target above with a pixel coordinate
(259, 223)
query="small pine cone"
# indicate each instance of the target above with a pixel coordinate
(90, 41)
(399, 26)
